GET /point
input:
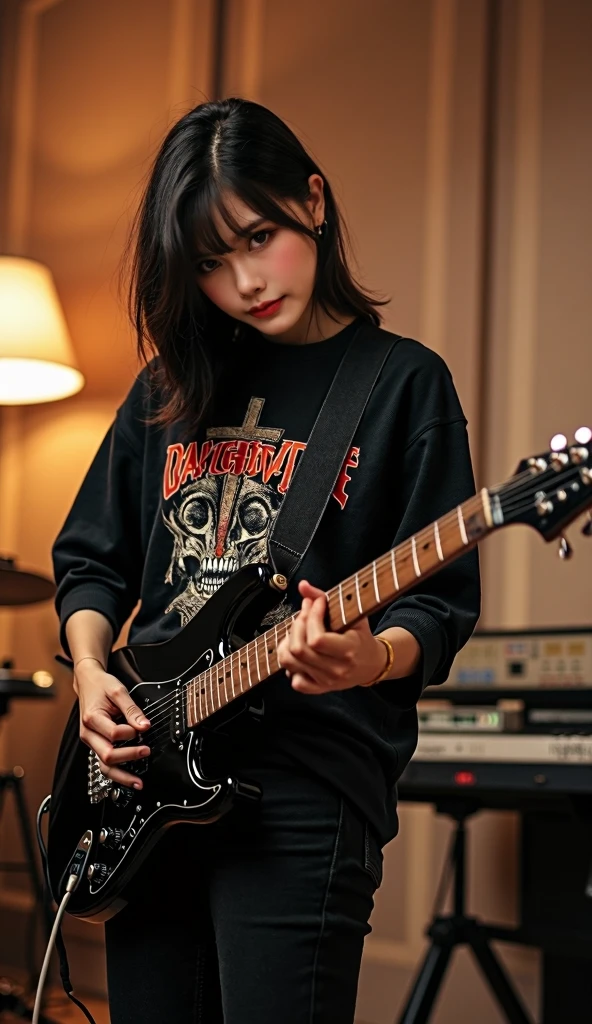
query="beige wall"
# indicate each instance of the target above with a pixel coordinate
(391, 97)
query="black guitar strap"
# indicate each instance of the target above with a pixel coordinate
(328, 446)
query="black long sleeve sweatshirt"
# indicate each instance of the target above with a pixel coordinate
(148, 524)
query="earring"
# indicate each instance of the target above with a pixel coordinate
(320, 229)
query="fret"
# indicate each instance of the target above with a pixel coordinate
(232, 678)
(414, 553)
(394, 569)
(343, 618)
(205, 689)
(225, 681)
(257, 662)
(218, 691)
(267, 657)
(200, 698)
(375, 578)
(461, 524)
(239, 667)
(275, 633)
(437, 539)
(246, 650)
(212, 691)
(361, 610)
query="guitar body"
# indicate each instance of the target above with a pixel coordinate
(184, 778)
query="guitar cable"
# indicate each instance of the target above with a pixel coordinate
(56, 938)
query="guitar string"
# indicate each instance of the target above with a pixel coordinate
(167, 703)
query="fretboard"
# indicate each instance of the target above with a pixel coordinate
(367, 591)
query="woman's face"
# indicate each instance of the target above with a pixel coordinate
(272, 263)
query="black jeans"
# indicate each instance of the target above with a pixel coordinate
(254, 921)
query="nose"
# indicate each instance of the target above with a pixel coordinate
(249, 282)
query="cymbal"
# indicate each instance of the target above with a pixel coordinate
(19, 587)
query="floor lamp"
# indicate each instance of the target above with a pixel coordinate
(37, 364)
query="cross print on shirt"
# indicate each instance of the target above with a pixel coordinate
(249, 431)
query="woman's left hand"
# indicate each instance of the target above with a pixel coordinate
(319, 661)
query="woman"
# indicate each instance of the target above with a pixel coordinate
(242, 293)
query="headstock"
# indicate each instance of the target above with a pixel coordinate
(549, 490)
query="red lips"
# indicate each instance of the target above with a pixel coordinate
(266, 308)
(264, 305)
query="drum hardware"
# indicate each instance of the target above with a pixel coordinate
(17, 588)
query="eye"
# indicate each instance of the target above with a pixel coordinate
(202, 269)
(267, 233)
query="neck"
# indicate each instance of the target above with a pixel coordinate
(362, 594)
(311, 329)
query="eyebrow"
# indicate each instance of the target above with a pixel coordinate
(249, 227)
(243, 233)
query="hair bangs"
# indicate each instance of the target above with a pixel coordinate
(200, 227)
(205, 238)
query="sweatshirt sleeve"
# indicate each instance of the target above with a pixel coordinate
(442, 611)
(97, 557)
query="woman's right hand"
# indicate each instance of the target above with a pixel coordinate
(102, 698)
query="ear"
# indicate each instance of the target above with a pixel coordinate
(315, 203)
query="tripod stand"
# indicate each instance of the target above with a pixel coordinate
(13, 782)
(448, 931)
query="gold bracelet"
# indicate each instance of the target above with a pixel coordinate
(390, 657)
(89, 657)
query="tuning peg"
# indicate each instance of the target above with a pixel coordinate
(565, 549)
(583, 435)
(587, 527)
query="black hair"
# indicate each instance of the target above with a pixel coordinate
(236, 146)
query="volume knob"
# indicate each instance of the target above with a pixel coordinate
(121, 795)
(97, 872)
(111, 837)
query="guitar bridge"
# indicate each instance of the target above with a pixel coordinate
(99, 786)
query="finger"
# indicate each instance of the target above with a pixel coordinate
(326, 672)
(315, 626)
(310, 662)
(100, 721)
(120, 776)
(332, 645)
(122, 732)
(307, 590)
(304, 683)
(297, 637)
(110, 758)
(109, 754)
(134, 715)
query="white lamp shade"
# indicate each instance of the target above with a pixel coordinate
(37, 362)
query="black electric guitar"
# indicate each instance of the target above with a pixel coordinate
(102, 831)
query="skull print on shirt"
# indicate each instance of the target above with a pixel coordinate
(223, 499)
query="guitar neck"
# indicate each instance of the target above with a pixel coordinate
(367, 591)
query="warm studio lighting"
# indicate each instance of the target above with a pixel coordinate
(37, 362)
